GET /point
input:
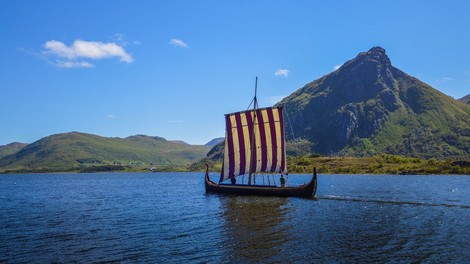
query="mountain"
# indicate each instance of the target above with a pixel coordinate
(215, 141)
(73, 151)
(369, 107)
(465, 99)
(179, 142)
(11, 148)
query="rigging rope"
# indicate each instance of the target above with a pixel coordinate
(294, 140)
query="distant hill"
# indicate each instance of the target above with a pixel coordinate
(369, 107)
(73, 151)
(179, 142)
(465, 99)
(11, 148)
(215, 141)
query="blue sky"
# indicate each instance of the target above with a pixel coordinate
(174, 68)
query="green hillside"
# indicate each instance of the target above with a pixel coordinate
(11, 148)
(78, 151)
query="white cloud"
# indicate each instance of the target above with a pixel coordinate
(110, 116)
(282, 72)
(59, 49)
(81, 49)
(72, 64)
(337, 67)
(178, 43)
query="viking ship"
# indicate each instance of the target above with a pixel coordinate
(255, 143)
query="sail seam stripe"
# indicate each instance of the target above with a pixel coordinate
(272, 126)
(283, 154)
(241, 143)
(252, 160)
(263, 143)
(279, 141)
(230, 147)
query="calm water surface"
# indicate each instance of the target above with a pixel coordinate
(168, 218)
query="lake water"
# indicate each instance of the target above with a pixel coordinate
(168, 218)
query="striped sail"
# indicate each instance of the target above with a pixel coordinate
(254, 142)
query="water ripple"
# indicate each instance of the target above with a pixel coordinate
(396, 202)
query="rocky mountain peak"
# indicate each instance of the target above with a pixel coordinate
(367, 75)
(376, 54)
(374, 62)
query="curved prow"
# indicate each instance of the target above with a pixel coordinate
(309, 189)
(314, 179)
(207, 179)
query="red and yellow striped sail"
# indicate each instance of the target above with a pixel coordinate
(254, 142)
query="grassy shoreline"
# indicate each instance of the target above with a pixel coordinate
(382, 164)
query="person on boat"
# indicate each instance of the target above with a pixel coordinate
(283, 181)
(233, 180)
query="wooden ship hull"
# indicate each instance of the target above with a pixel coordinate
(306, 190)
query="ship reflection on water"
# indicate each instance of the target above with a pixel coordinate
(255, 228)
